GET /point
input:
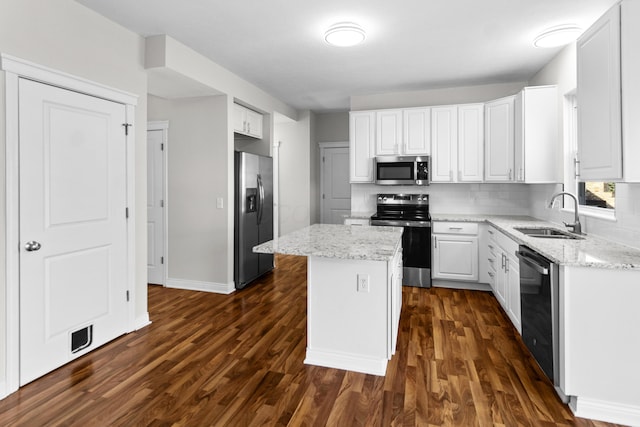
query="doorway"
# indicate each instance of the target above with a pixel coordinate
(70, 241)
(157, 147)
(335, 188)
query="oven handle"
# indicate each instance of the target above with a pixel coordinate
(394, 223)
(531, 263)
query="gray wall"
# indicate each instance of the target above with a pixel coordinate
(332, 127)
(66, 36)
(197, 171)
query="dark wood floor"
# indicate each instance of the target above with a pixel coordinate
(237, 360)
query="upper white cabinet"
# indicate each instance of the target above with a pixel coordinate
(403, 132)
(362, 132)
(537, 149)
(499, 139)
(470, 143)
(247, 122)
(608, 96)
(417, 131)
(444, 143)
(389, 132)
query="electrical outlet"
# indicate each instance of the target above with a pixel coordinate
(363, 283)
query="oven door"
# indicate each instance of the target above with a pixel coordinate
(416, 256)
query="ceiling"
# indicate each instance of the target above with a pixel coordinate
(411, 44)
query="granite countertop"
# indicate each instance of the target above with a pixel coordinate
(338, 241)
(592, 251)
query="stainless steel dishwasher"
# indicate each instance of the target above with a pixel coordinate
(539, 283)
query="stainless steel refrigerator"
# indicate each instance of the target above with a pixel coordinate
(253, 216)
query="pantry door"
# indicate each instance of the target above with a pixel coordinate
(73, 225)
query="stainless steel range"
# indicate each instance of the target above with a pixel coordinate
(410, 211)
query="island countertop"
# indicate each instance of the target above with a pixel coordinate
(338, 242)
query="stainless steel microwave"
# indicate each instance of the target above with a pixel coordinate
(402, 170)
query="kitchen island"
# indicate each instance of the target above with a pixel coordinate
(354, 293)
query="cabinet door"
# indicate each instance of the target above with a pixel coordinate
(599, 99)
(513, 292)
(239, 118)
(470, 143)
(499, 140)
(455, 257)
(388, 132)
(254, 124)
(500, 288)
(444, 138)
(417, 131)
(362, 130)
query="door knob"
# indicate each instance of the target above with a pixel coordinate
(32, 246)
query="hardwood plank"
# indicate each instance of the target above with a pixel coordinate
(238, 360)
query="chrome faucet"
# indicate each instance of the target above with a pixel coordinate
(576, 227)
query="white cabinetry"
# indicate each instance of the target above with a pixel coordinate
(499, 140)
(417, 131)
(247, 122)
(537, 149)
(388, 132)
(455, 251)
(403, 132)
(444, 138)
(504, 274)
(362, 131)
(470, 143)
(608, 93)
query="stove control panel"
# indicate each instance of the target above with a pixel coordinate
(403, 199)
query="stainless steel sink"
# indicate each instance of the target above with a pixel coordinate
(547, 233)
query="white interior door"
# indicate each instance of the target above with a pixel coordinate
(73, 231)
(155, 206)
(336, 189)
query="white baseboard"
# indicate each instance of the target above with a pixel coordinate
(610, 412)
(142, 321)
(453, 284)
(195, 285)
(347, 362)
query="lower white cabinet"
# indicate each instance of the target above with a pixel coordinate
(455, 251)
(504, 274)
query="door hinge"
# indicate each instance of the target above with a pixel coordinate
(126, 128)
(323, 197)
(322, 159)
(127, 296)
(162, 146)
(162, 203)
(126, 212)
(161, 260)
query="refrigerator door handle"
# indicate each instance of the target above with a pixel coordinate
(261, 199)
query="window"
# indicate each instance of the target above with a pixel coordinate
(595, 198)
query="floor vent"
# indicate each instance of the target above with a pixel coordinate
(81, 339)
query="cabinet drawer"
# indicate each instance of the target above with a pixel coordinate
(455, 228)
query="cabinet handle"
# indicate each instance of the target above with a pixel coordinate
(490, 232)
(510, 174)
(490, 247)
(506, 265)
(576, 167)
(503, 257)
(435, 242)
(455, 228)
(490, 274)
(248, 127)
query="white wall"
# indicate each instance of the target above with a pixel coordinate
(66, 36)
(626, 228)
(295, 181)
(440, 96)
(197, 160)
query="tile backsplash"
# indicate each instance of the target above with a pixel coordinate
(515, 199)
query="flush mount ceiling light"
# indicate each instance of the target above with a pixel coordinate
(344, 34)
(557, 36)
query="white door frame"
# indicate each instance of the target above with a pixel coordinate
(16, 68)
(323, 148)
(164, 127)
